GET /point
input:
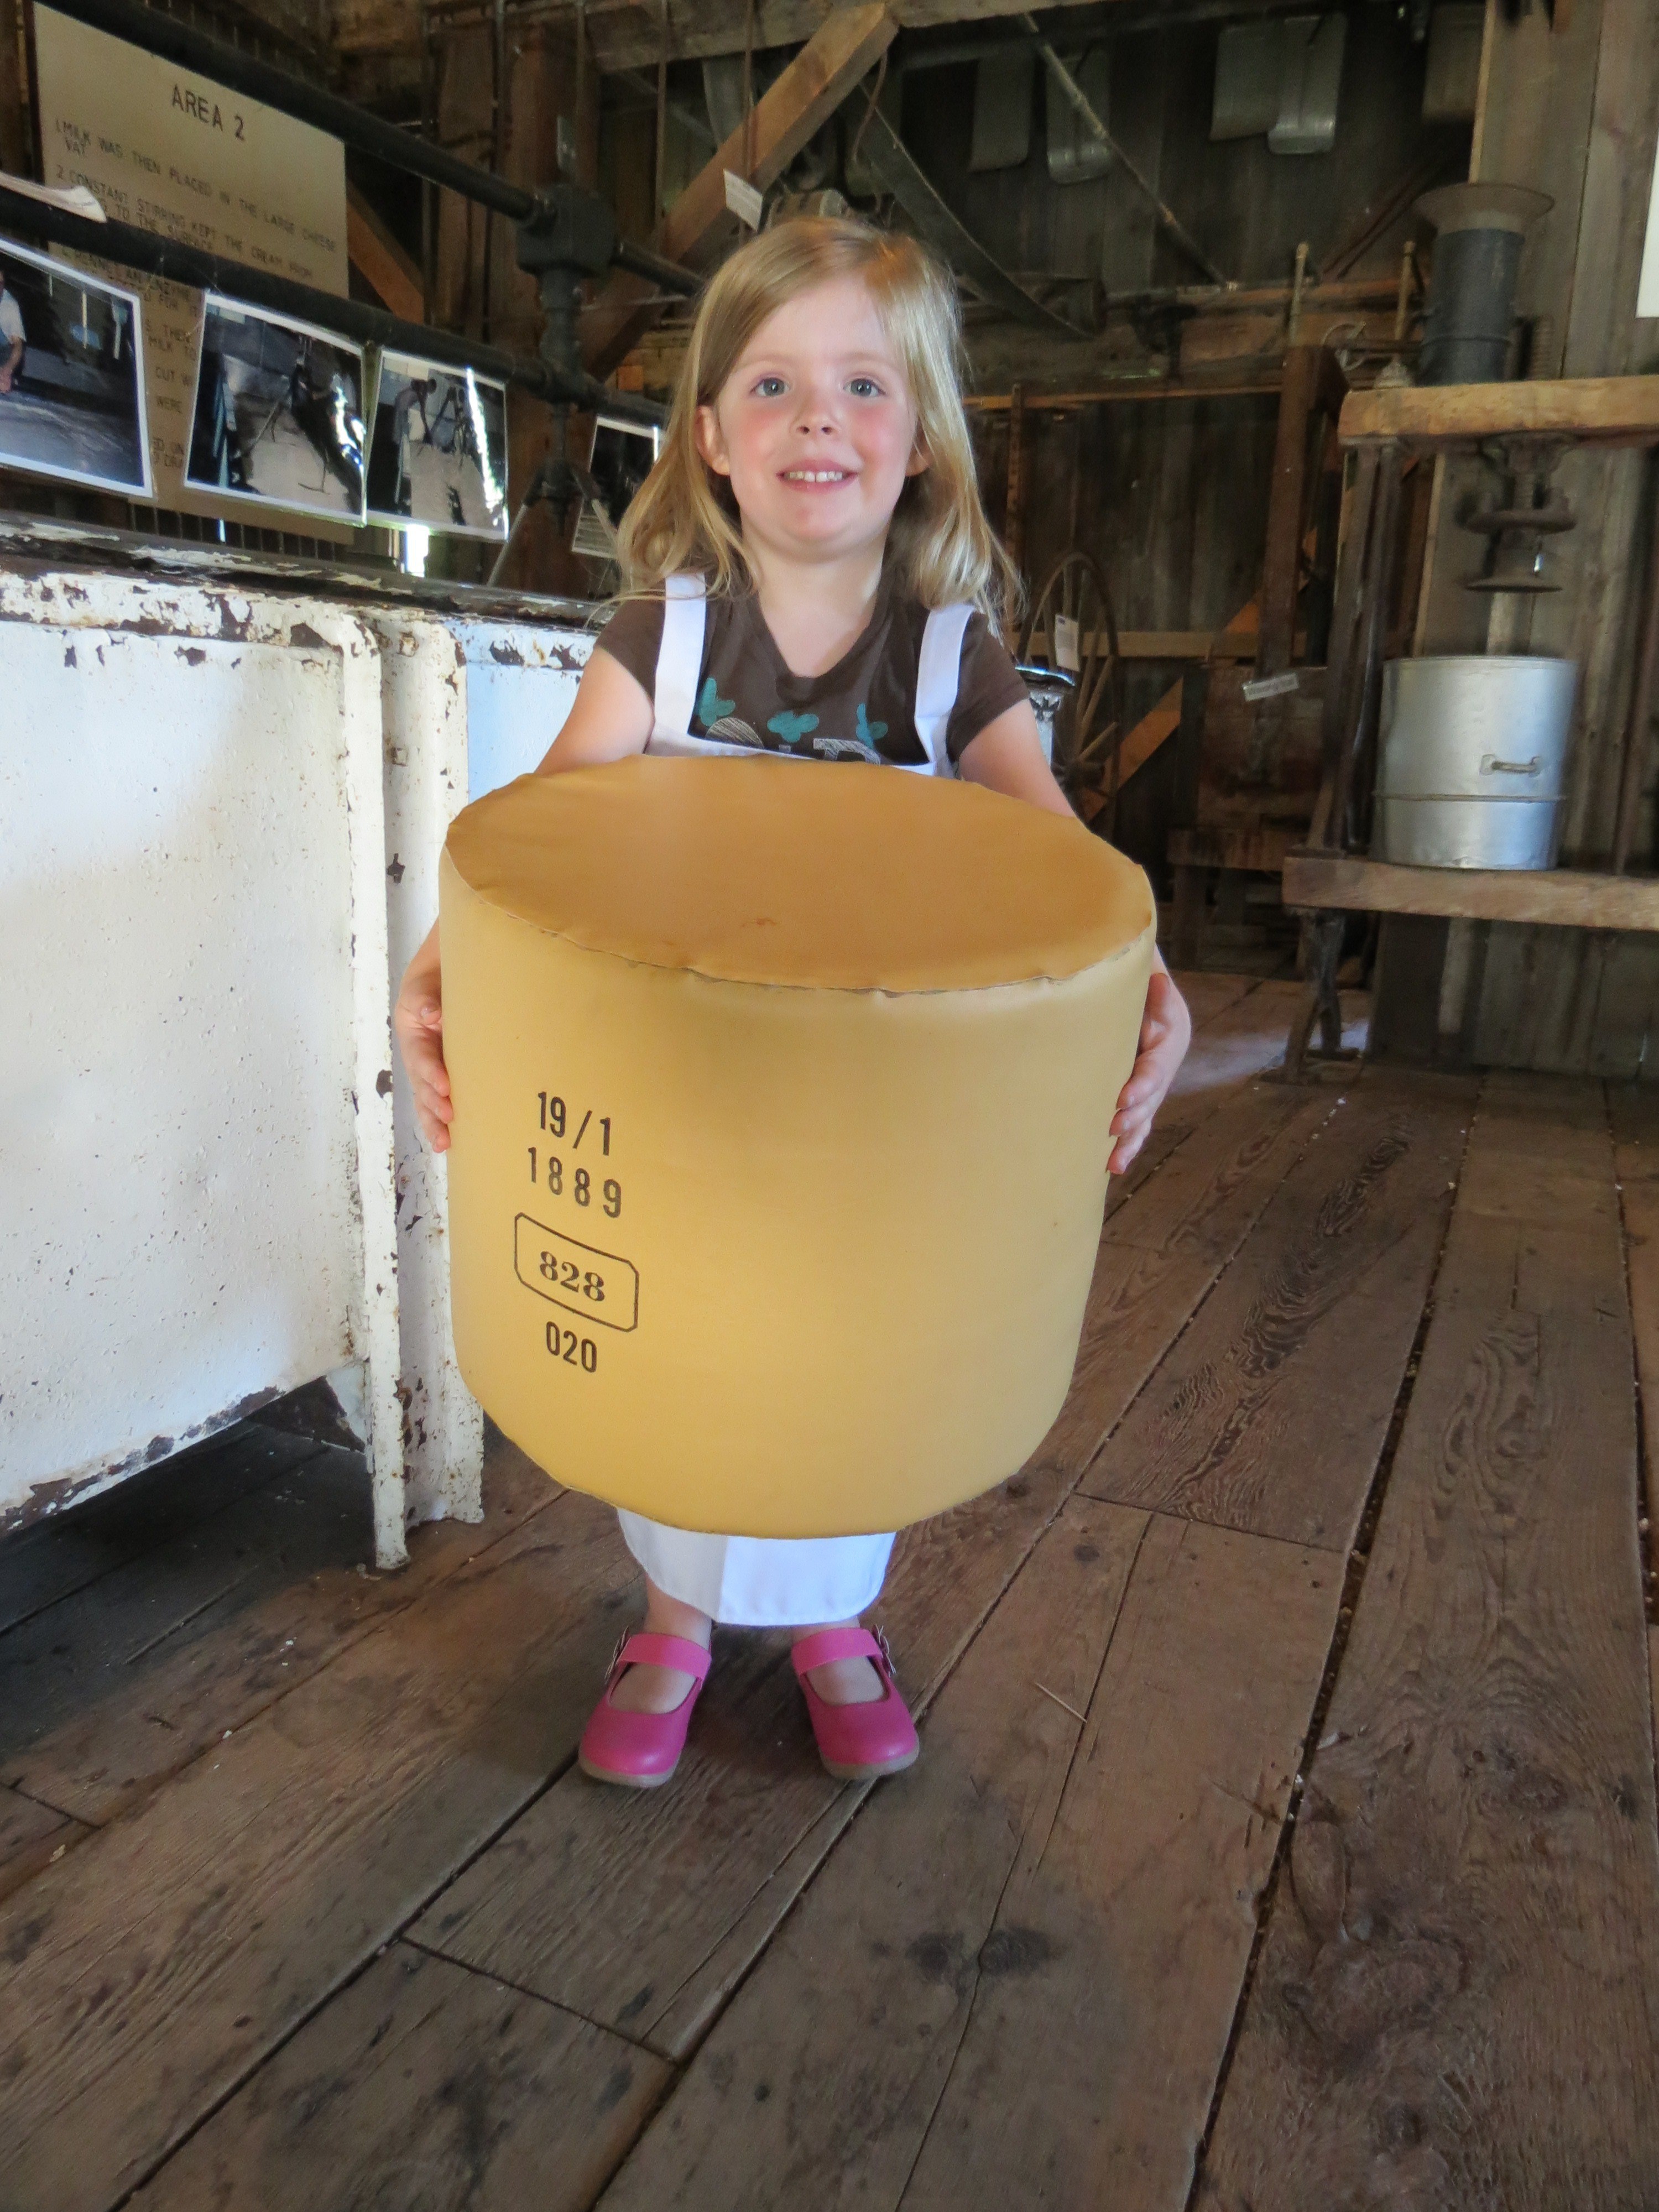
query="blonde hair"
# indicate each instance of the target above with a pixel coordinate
(940, 546)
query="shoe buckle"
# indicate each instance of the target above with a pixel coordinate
(886, 1650)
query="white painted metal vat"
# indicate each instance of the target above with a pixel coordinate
(195, 1111)
(224, 809)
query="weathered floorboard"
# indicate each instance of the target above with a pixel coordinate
(110, 1690)
(1161, 1252)
(1457, 2002)
(1086, 2080)
(1013, 1982)
(1271, 1413)
(146, 1974)
(29, 1836)
(52, 1557)
(642, 1910)
(421, 2086)
(628, 1939)
(1237, 1033)
(816, 2086)
(1208, 994)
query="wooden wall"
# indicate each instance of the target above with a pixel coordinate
(1171, 496)
(1249, 208)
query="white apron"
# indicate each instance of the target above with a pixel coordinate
(774, 1582)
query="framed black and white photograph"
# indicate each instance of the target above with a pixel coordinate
(72, 375)
(279, 417)
(437, 455)
(623, 456)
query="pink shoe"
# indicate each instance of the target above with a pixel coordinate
(641, 1750)
(857, 1742)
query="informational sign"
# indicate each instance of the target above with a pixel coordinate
(181, 156)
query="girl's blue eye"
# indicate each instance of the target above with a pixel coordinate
(864, 388)
(768, 387)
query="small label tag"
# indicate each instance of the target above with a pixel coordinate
(744, 201)
(1068, 644)
(1272, 687)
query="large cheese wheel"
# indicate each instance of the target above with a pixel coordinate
(782, 1096)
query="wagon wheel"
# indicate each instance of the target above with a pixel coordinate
(1089, 726)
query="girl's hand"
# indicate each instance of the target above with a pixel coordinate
(417, 1020)
(1166, 1030)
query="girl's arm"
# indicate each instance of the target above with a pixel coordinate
(1007, 756)
(609, 718)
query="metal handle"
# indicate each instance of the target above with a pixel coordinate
(1492, 766)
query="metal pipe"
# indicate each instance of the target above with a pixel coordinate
(667, 275)
(1078, 100)
(175, 41)
(184, 264)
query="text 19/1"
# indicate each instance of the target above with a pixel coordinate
(554, 1118)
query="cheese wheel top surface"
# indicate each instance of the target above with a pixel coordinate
(825, 877)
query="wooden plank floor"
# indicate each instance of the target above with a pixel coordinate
(1285, 1833)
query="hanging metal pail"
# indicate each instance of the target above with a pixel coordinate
(1471, 760)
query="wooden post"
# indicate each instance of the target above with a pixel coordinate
(16, 155)
(1281, 565)
(1367, 684)
(1013, 528)
(1327, 824)
(1633, 769)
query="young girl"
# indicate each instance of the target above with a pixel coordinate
(811, 572)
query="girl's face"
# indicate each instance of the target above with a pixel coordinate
(816, 427)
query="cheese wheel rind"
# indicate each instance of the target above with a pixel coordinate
(773, 1258)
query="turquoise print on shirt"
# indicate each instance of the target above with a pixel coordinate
(869, 733)
(711, 707)
(792, 728)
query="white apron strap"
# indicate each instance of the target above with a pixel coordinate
(679, 662)
(938, 679)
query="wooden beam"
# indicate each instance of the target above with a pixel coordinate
(628, 33)
(1105, 395)
(1601, 409)
(1238, 641)
(1571, 898)
(804, 96)
(1307, 373)
(1167, 644)
(381, 261)
(1161, 722)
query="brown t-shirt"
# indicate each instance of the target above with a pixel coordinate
(863, 708)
